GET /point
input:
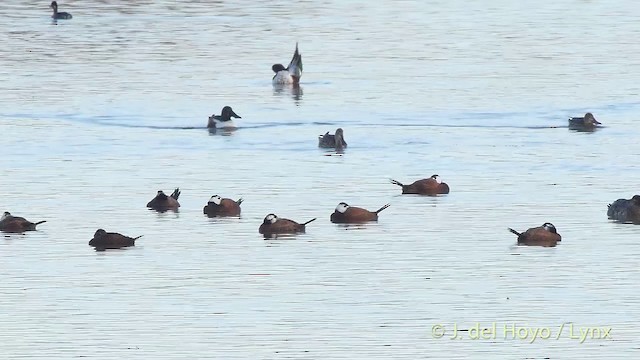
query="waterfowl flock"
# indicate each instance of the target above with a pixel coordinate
(621, 210)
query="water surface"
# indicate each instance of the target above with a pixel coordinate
(99, 112)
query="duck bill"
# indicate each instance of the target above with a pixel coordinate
(597, 122)
(235, 115)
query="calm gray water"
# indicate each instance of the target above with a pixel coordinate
(99, 112)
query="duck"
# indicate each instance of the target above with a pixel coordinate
(273, 225)
(162, 202)
(588, 121)
(291, 74)
(16, 224)
(111, 240)
(624, 210)
(430, 186)
(332, 141)
(345, 214)
(59, 15)
(545, 235)
(223, 121)
(218, 206)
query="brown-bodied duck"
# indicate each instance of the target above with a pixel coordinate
(218, 206)
(545, 235)
(162, 202)
(17, 224)
(345, 214)
(430, 186)
(273, 225)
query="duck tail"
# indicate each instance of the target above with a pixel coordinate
(382, 208)
(137, 237)
(240, 201)
(40, 222)
(295, 66)
(395, 182)
(513, 231)
(312, 220)
(176, 193)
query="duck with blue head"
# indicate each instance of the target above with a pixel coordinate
(273, 225)
(218, 206)
(588, 122)
(103, 240)
(223, 121)
(291, 74)
(625, 210)
(545, 235)
(431, 186)
(162, 202)
(17, 224)
(345, 214)
(59, 15)
(329, 141)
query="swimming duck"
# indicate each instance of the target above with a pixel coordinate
(162, 202)
(103, 240)
(625, 210)
(59, 15)
(274, 225)
(16, 224)
(332, 141)
(430, 186)
(345, 214)
(586, 122)
(292, 73)
(224, 119)
(545, 235)
(218, 206)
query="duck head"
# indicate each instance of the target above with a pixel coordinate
(270, 219)
(549, 227)
(277, 68)
(216, 199)
(589, 119)
(342, 207)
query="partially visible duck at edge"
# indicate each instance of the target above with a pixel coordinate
(333, 141)
(623, 210)
(17, 224)
(545, 235)
(345, 214)
(223, 121)
(162, 202)
(430, 186)
(103, 240)
(291, 74)
(587, 122)
(59, 15)
(218, 206)
(273, 225)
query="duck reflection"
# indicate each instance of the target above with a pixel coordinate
(293, 90)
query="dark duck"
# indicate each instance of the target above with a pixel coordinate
(625, 210)
(332, 141)
(59, 15)
(110, 240)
